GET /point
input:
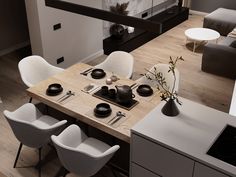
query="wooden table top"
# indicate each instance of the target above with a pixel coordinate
(82, 104)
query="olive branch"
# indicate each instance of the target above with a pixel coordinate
(166, 92)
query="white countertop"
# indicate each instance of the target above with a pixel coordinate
(191, 133)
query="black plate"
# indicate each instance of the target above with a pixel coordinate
(54, 89)
(102, 110)
(144, 90)
(98, 74)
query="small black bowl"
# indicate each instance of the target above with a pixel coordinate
(102, 110)
(98, 74)
(144, 90)
(54, 89)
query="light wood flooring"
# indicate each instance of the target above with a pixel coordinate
(195, 85)
(208, 89)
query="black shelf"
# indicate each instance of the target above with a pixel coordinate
(168, 18)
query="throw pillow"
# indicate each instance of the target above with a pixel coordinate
(233, 44)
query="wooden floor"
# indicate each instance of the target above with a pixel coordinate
(195, 85)
(2, 175)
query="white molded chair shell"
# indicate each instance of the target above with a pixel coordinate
(120, 63)
(80, 154)
(163, 68)
(34, 69)
(32, 128)
(232, 110)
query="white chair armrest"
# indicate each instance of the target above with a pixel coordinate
(232, 110)
(111, 150)
(54, 126)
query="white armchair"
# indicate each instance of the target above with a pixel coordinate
(34, 69)
(120, 63)
(163, 68)
(80, 154)
(32, 128)
(232, 110)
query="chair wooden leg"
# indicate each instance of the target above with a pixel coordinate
(30, 100)
(46, 110)
(39, 163)
(18, 154)
(51, 155)
(114, 173)
(62, 172)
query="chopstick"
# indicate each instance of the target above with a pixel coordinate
(133, 86)
(116, 120)
(86, 71)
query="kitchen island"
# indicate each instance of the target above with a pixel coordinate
(177, 146)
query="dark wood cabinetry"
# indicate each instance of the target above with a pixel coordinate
(168, 19)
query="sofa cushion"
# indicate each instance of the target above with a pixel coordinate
(226, 41)
(222, 20)
(233, 44)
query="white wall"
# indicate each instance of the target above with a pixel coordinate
(79, 38)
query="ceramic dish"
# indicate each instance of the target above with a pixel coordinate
(144, 90)
(102, 110)
(54, 89)
(98, 74)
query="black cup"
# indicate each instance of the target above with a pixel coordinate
(104, 90)
(112, 93)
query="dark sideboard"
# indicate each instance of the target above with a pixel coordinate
(168, 18)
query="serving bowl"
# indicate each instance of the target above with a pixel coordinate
(102, 110)
(98, 74)
(54, 89)
(144, 90)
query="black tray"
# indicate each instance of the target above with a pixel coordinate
(128, 106)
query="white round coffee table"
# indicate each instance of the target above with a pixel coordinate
(199, 35)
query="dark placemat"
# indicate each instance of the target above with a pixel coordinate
(107, 98)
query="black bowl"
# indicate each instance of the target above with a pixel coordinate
(54, 89)
(102, 110)
(144, 90)
(98, 74)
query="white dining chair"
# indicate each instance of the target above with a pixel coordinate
(34, 69)
(120, 63)
(32, 128)
(80, 154)
(169, 77)
(232, 110)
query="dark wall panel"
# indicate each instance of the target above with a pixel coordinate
(13, 23)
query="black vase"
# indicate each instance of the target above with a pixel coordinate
(170, 108)
(117, 31)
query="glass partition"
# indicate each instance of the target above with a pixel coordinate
(134, 13)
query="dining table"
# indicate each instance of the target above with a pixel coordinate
(82, 103)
